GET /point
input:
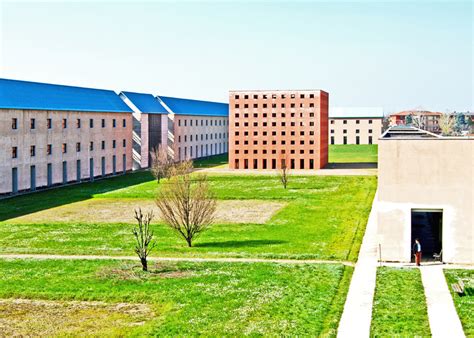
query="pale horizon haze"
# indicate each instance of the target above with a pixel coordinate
(397, 55)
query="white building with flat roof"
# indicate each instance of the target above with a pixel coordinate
(425, 191)
(355, 125)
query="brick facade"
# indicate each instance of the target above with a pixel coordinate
(268, 129)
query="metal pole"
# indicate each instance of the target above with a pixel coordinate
(380, 254)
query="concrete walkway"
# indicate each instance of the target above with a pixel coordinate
(175, 259)
(443, 318)
(357, 314)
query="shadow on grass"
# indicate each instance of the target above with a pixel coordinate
(238, 244)
(353, 165)
(41, 200)
(211, 161)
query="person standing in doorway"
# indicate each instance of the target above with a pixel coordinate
(417, 251)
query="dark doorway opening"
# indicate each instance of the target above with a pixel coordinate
(427, 226)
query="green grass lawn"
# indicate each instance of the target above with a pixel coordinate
(399, 304)
(209, 299)
(324, 217)
(347, 153)
(464, 304)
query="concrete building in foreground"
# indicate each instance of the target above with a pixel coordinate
(271, 129)
(425, 191)
(197, 128)
(53, 135)
(150, 126)
(355, 125)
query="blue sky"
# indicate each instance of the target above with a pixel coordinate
(398, 55)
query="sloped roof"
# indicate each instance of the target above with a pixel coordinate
(408, 132)
(417, 112)
(16, 94)
(355, 112)
(195, 107)
(146, 103)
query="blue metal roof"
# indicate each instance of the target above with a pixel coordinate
(146, 103)
(195, 107)
(15, 94)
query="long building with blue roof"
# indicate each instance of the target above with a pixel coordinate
(15, 94)
(199, 128)
(194, 107)
(53, 134)
(150, 128)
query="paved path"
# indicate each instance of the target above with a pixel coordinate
(175, 259)
(437, 264)
(357, 314)
(294, 172)
(444, 320)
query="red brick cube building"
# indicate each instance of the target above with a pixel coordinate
(271, 129)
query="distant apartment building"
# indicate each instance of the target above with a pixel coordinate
(52, 135)
(426, 120)
(272, 129)
(198, 128)
(150, 127)
(425, 191)
(355, 125)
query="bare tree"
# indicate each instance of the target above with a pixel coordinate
(181, 168)
(143, 236)
(446, 124)
(284, 172)
(162, 163)
(187, 205)
(385, 123)
(418, 120)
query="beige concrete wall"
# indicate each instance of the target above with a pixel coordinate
(366, 126)
(41, 136)
(426, 174)
(190, 132)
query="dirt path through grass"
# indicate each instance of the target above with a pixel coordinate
(176, 259)
(37, 317)
(116, 210)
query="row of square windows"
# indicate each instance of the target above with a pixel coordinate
(283, 115)
(274, 142)
(274, 96)
(263, 165)
(344, 131)
(204, 151)
(49, 148)
(274, 133)
(357, 140)
(345, 121)
(208, 122)
(64, 123)
(274, 124)
(274, 151)
(274, 105)
(215, 135)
